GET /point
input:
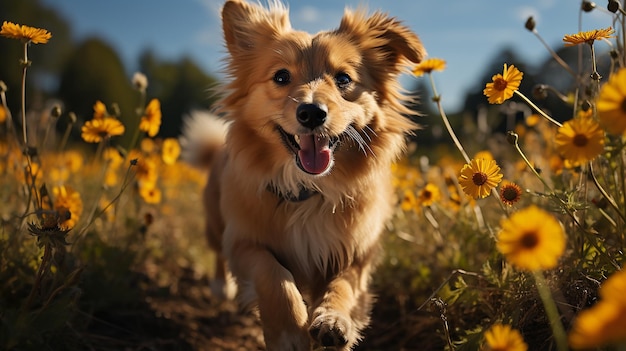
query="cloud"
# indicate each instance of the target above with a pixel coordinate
(307, 14)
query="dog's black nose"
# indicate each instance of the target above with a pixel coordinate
(311, 115)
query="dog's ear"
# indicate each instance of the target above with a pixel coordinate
(386, 40)
(247, 26)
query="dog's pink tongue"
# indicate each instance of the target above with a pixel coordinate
(314, 153)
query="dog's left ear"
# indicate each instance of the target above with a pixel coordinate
(386, 40)
(248, 26)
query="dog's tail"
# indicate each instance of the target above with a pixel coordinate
(203, 136)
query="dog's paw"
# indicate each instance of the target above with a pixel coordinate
(332, 329)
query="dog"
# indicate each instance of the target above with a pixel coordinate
(300, 167)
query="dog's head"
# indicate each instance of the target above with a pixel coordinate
(313, 96)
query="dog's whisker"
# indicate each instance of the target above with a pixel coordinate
(293, 99)
(371, 130)
(353, 134)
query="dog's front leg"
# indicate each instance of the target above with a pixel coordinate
(343, 310)
(283, 313)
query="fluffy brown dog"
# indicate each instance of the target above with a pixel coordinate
(300, 191)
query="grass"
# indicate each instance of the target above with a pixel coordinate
(101, 246)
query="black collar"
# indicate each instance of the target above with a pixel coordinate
(303, 194)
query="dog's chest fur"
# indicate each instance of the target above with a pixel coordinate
(313, 238)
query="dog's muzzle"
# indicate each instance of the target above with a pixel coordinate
(313, 151)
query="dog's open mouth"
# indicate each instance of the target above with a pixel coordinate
(313, 152)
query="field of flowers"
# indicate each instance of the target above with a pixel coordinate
(519, 246)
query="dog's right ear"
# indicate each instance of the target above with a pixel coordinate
(247, 26)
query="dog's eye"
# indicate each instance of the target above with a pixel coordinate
(342, 80)
(282, 77)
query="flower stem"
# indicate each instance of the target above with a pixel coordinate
(530, 166)
(446, 122)
(25, 64)
(536, 108)
(43, 267)
(554, 55)
(551, 310)
(140, 110)
(606, 195)
(595, 76)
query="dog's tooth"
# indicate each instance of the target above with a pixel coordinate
(297, 138)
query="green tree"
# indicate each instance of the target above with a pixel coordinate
(47, 58)
(95, 72)
(180, 86)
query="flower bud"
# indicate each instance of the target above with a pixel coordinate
(585, 106)
(530, 24)
(596, 76)
(540, 92)
(613, 6)
(3, 87)
(72, 117)
(588, 6)
(140, 81)
(512, 137)
(56, 111)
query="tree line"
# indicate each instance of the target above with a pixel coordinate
(76, 74)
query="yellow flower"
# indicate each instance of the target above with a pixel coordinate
(3, 114)
(25, 33)
(484, 154)
(68, 204)
(151, 120)
(612, 103)
(110, 177)
(602, 324)
(99, 110)
(112, 156)
(605, 322)
(96, 130)
(531, 239)
(588, 37)
(614, 288)
(409, 202)
(510, 193)
(532, 120)
(58, 175)
(503, 85)
(429, 195)
(72, 160)
(429, 65)
(170, 151)
(147, 146)
(503, 338)
(150, 194)
(479, 176)
(580, 140)
(146, 171)
(585, 113)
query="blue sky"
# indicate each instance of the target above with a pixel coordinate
(467, 34)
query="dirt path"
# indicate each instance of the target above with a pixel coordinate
(208, 325)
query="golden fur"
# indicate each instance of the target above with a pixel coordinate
(306, 262)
